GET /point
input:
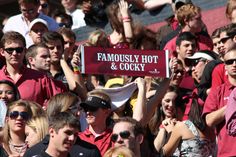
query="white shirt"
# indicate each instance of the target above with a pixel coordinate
(78, 18)
(17, 23)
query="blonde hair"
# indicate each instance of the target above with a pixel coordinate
(186, 12)
(98, 38)
(36, 109)
(231, 5)
(120, 151)
(39, 125)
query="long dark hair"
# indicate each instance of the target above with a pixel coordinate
(14, 87)
(195, 114)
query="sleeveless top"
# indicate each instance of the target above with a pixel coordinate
(196, 147)
(119, 45)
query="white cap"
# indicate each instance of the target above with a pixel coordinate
(37, 20)
(198, 55)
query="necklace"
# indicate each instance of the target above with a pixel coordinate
(21, 148)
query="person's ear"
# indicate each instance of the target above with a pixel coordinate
(234, 38)
(30, 60)
(177, 49)
(140, 138)
(51, 132)
(2, 52)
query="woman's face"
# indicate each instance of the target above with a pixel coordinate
(17, 118)
(178, 75)
(6, 93)
(31, 136)
(168, 104)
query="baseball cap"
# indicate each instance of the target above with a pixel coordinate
(37, 20)
(95, 102)
(179, 3)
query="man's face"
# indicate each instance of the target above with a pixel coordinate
(68, 4)
(228, 42)
(37, 32)
(41, 62)
(96, 116)
(198, 69)
(64, 138)
(29, 11)
(218, 46)
(186, 49)
(195, 23)
(44, 7)
(56, 50)
(230, 66)
(69, 45)
(14, 53)
(131, 141)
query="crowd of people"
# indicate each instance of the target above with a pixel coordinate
(52, 109)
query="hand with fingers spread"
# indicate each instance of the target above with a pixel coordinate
(124, 9)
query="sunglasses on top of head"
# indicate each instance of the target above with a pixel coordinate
(123, 135)
(10, 50)
(15, 114)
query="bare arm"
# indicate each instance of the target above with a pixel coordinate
(124, 10)
(140, 109)
(215, 117)
(153, 4)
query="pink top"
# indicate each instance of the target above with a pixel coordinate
(217, 99)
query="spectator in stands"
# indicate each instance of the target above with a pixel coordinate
(97, 109)
(231, 10)
(191, 137)
(189, 17)
(217, 45)
(63, 128)
(129, 133)
(18, 113)
(228, 42)
(63, 19)
(172, 27)
(40, 86)
(59, 68)
(70, 7)
(215, 104)
(44, 7)
(69, 43)
(37, 28)
(8, 92)
(65, 102)
(36, 129)
(29, 9)
(121, 23)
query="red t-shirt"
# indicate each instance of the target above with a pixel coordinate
(102, 141)
(217, 99)
(33, 85)
(203, 43)
(219, 76)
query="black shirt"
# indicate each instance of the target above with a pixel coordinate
(79, 149)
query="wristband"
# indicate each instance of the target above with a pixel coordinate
(76, 70)
(126, 18)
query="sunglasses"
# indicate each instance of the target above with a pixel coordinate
(44, 5)
(123, 135)
(223, 40)
(179, 71)
(90, 109)
(10, 50)
(15, 114)
(67, 25)
(230, 61)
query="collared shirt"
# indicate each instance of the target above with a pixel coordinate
(32, 85)
(217, 99)
(102, 141)
(17, 23)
